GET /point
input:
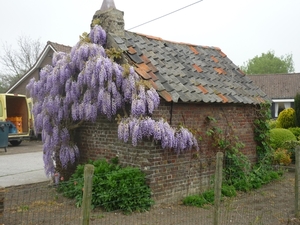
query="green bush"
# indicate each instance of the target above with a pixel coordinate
(114, 187)
(208, 197)
(228, 191)
(125, 189)
(195, 200)
(291, 146)
(286, 118)
(272, 123)
(297, 108)
(282, 157)
(295, 131)
(243, 176)
(279, 136)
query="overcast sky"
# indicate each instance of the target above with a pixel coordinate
(241, 28)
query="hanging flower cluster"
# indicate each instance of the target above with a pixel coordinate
(138, 128)
(84, 84)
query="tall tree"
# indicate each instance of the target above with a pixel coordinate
(268, 63)
(14, 63)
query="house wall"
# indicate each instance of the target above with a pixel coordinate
(21, 87)
(171, 176)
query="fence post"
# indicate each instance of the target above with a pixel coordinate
(297, 181)
(87, 194)
(2, 190)
(218, 187)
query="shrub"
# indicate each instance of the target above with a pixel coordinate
(286, 118)
(194, 200)
(272, 123)
(297, 108)
(291, 146)
(279, 136)
(295, 131)
(228, 191)
(282, 157)
(243, 176)
(208, 197)
(124, 189)
(114, 188)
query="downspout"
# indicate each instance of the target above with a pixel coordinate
(171, 113)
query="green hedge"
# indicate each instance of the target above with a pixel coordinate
(278, 136)
(272, 123)
(114, 187)
(286, 118)
(295, 131)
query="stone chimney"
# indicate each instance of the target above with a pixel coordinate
(106, 4)
(111, 19)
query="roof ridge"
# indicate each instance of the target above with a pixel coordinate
(274, 74)
(175, 42)
(51, 43)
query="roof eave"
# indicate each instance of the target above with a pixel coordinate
(34, 67)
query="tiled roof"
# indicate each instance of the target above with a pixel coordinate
(188, 73)
(278, 86)
(60, 47)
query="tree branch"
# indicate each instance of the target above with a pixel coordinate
(74, 126)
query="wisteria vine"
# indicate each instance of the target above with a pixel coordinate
(85, 83)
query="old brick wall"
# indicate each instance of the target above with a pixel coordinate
(169, 175)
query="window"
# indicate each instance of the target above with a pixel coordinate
(281, 104)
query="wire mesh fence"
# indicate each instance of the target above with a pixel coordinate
(37, 204)
(272, 203)
(44, 204)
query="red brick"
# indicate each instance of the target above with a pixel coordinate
(169, 174)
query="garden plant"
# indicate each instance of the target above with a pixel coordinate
(114, 187)
(239, 173)
(286, 118)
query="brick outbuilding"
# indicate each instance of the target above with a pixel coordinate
(195, 83)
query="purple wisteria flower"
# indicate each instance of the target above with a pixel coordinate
(98, 35)
(145, 127)
(85, 83)
(75, 111)
(118, 72)
(57, 57)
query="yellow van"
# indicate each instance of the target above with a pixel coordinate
(15, 110)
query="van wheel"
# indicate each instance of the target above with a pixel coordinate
(15, 143)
